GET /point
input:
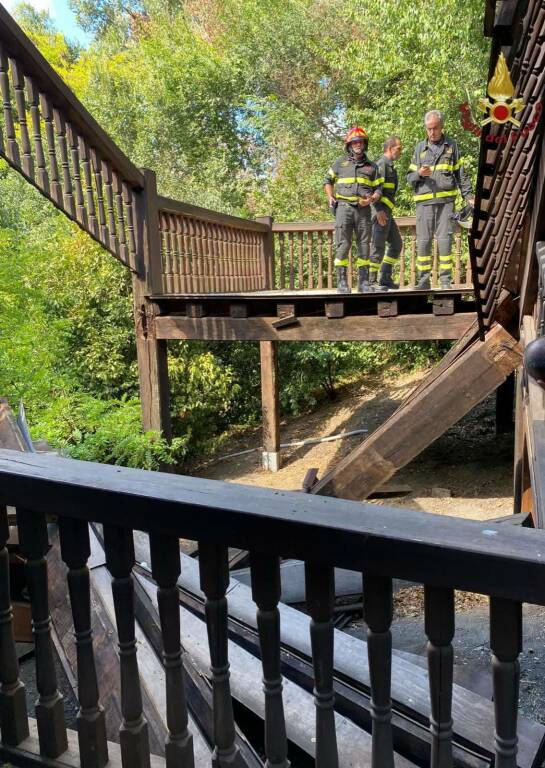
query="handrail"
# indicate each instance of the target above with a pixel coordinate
(503, 561)
(169, 205)
(18, 45)
(442, 553)
(328, 226)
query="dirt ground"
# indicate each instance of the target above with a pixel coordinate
(469, 461)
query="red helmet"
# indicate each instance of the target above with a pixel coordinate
(356, 134)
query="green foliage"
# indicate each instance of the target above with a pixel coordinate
(108, 431)
(241, 106)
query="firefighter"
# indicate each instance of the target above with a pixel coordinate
(384, 225)
(353, 185)
(436, 173)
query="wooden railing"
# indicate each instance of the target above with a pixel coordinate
(49, 137)
(442, 553)
(305, 254)
(207, 252)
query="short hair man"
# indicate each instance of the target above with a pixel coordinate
(352, 185)
(436, 173)
(385, 230)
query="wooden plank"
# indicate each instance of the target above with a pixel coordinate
(388, 308)
(27, 753)
(505, 561)
(354, 743)
(284, 322)
(334, 309)
(479, 370)
(362, 328)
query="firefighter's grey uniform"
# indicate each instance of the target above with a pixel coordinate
(389, 233)
(352, 180)
(434, 196)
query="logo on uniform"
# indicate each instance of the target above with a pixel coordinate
(500, 107)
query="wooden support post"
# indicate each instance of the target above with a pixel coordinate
(267, 258)
(151, 352)
(270, 405)
(440, 402)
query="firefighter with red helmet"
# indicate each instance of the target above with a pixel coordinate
(353, 185)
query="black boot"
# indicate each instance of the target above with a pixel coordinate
(423, 283)
(363, 280)
(373, 279)
(385, 279)
(342, 280)
(445, 281)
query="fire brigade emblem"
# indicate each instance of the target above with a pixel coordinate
(501, 106)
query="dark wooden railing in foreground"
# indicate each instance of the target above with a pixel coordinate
(443, 553)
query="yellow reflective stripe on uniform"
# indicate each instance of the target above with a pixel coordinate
(431, 195)
(389, 203)
(360, 180)
(332, 175)
(350, 198)
(413, 167)
(341, 262)
(363, 262)
(389, 260)
(446, 258)
(373, 267)
(389, 185)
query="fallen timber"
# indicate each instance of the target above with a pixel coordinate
(473, 714)
(442, 399)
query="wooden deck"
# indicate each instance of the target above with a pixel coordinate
(315, 315)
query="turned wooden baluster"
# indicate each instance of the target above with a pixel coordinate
(109, 195)
(20, 104)
(120, 211)
(214, 579)
(88, 181)
(96, 164)
(291, 259)
(13, 711)
(330, 259)
(167, 255)
(60, 130)
(42, 178)
(300, 266)
(133, 732)
(377, 613)
(128, 203)
(47, 112)
(75, 551)
(266, 595)
(165, 565)
(439, 625)
(310, 245)
(402, 262)
(320, 239)
(506, 644)
(320, 594)
(412, 270)
(282, 251)
(50, 706)
(81, 213)
(12, 148)
(457, 258)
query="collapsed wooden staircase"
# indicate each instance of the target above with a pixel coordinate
(471, 371)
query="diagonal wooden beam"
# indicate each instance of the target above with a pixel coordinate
(440, 401)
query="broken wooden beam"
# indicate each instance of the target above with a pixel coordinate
(424, 416)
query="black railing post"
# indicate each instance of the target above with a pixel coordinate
(13, 711)
(506, 644)
(377, 613)
(266, 594)
(75, 551)
(439, 624)
(50, 706)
